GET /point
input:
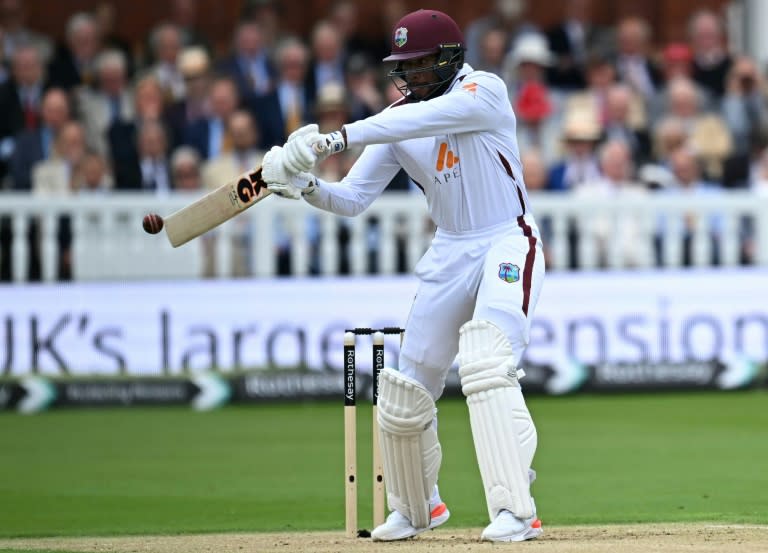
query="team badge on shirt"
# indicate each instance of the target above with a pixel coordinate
(509, 272)
(401, 36)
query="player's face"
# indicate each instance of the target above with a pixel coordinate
(419, 76)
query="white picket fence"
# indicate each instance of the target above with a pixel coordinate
(617, 232)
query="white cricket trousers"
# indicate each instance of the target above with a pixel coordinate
(494, 274)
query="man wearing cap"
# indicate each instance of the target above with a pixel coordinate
(453, 132)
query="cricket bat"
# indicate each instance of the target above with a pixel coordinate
(215, 208)
(220, 205)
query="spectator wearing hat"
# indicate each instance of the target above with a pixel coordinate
(581, 135)
(600, 75)
(538, 107)
(194, 65)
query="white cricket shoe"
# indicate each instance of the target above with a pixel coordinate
(507, 527)
(397, 527)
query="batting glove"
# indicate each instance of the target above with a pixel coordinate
(296, 186)
(299, 154)
(273, 166)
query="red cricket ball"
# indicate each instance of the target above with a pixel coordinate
(152, 223)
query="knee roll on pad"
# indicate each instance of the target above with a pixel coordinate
(411, 452)
(502, 429)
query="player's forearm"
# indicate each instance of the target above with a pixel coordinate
(450, 114)
(338, 198)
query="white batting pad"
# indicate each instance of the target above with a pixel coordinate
(502, 429)
(410, 449)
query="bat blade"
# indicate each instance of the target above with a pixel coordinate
(215, 208)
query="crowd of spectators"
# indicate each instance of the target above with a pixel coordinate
(599, 108)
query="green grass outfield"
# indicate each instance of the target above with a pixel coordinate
(601, 459)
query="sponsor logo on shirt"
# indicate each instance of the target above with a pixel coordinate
(445, 158)
(470, 87)
(509, 272)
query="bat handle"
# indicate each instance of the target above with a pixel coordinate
(320, 147)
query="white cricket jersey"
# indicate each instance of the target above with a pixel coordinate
(460, 148)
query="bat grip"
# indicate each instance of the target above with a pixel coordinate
(320, 147)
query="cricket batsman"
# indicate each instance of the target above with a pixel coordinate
(453, 132)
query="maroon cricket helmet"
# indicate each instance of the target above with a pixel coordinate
(424, 32)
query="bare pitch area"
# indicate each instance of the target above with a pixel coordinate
(687, 538)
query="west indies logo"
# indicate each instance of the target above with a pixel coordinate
(401, 36)
(509, 272)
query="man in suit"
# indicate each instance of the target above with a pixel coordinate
(37, 144)
(31, 147)
(16, 33)
(289, 105)
(209, 135)
(110, 102)
(20, 99)
(165, 41)
(619, 127)
(73, 63)
(571, 41)
(243, 156)
(711, 60)
(249, 65)
(633, 63)
(194, 65)
(327, 59)
(154, 163)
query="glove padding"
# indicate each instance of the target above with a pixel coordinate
(273, 166)
(298, 153)
(294, 187)
(321, 145)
